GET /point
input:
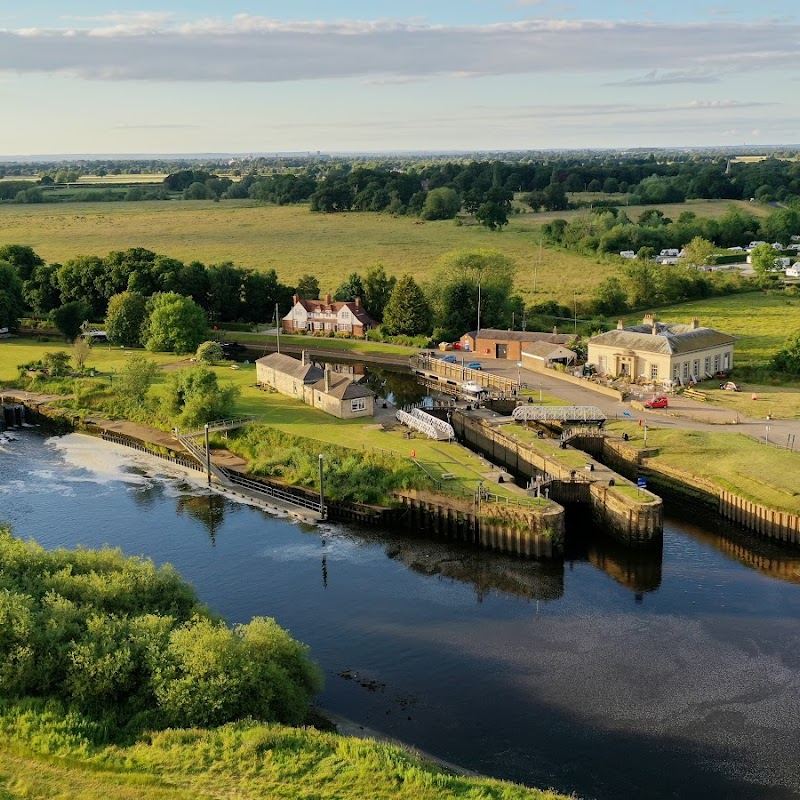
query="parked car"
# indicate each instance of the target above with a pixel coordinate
(657, 402)
(474, 365)
(449, 359)
(445, 345)
(456, 345)
(730, 386)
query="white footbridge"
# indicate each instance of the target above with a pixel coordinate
(432, 427)
(587, 415)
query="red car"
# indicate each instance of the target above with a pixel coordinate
(657, 402)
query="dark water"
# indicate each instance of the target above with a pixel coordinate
(673, 675)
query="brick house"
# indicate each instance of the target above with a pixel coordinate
(325, 316)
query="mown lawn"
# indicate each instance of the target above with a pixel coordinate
(292, 240)
(757, 472)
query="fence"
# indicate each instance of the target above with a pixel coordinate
(272, 491)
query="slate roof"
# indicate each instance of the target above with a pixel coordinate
(548, 350)
(671, 338)
(307, 372)
(343, 387)
(520, 336)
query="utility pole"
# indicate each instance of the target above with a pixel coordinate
(321, 486)
(277, 328)
(479, 305)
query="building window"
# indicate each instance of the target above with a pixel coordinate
(359, 404)
(708, 365)
(727, 358)
(686, 370)
(696, 368)
(676, 371)
(716, 363)
(603, 363)
(654, 372)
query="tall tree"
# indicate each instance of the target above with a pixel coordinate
(352, 288)
(442, 203)
(22, 257)
(408, 311)
(11, 303)
(378, 289)
(308, 287)
(174, 323)
(69, 318)
(125, 318)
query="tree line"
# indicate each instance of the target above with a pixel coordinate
(610, 230)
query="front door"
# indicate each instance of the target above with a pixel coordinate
(502, 351)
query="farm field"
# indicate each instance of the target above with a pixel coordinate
(292, 240)
(762, 322)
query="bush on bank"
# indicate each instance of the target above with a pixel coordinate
(126, 642)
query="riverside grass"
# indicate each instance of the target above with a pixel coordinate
(732, 461)
(45, 755)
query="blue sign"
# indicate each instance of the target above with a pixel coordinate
(626, 413)
(641, 482)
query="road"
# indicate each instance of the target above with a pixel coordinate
(682, 413)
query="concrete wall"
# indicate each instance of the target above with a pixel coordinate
(280, 381)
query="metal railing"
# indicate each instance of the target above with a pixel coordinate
(219, 425)
(272, 491)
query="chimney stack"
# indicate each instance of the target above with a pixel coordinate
(695, 323)
(655, 329)
(620, 325)
(303, 357)
(648, 319)
(358, 302)
(327, 379)
(296, 298)
(328, 299)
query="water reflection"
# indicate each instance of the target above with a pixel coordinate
(760, 555)
(208, 509)
(486, 572)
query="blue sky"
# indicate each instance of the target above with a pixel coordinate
(265, 76)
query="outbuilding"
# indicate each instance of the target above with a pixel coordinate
(494, 343)
(544, 354)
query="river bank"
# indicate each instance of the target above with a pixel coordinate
(611, 673)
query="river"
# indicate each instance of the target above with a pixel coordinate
(664, 675)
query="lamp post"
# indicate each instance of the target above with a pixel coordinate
(479, 305)
(208, 456)
(766, 434)
(519, 376)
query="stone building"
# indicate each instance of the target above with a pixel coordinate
(662, 352)
(330, 391)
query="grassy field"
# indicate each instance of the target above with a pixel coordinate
(347, 345)
(762, 474)
(291, 240)
(243, 761)
(762, 322)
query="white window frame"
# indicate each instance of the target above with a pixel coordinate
(654, 372)
(359, 404)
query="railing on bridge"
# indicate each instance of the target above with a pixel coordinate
(273, 492)
(218, 425)
(583, 414)
(431, 426)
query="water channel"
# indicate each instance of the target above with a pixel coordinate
(660, 675)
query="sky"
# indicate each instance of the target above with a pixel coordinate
(260, 76)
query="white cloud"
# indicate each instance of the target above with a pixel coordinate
(251, 48)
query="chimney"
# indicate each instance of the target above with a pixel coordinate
(296, 298)
(555, 330)
(648, 319)
(327, 377)
(654, 329)
(620, 325)
(303, 357)
(328, 299)
(358, 302)
(695, 323)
